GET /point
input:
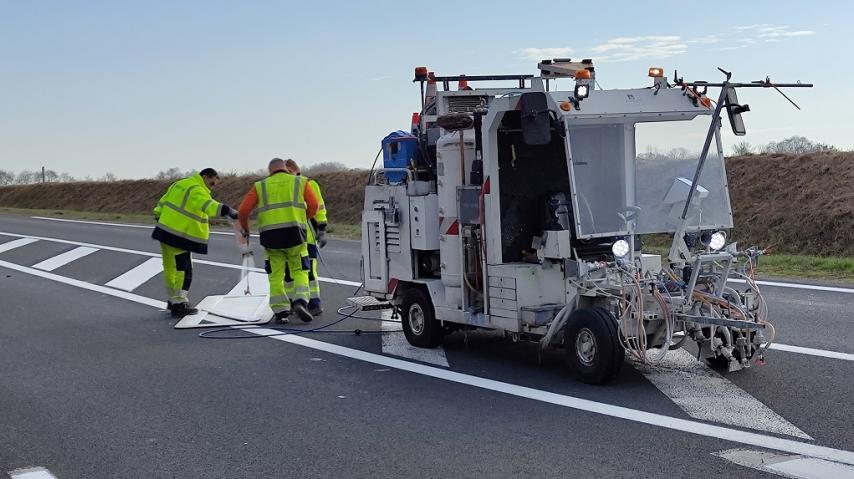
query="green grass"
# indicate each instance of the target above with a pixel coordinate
(834, 268)
(83, 215)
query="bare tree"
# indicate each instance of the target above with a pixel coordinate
(27, 177)
(6, 177)
(51, 176)
(795, 144)
(323, 167)
(742, 148)
(170, 174)
(108, 177)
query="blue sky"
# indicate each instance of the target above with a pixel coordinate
(136, 87)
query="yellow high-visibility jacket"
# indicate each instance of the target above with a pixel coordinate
(182, 215)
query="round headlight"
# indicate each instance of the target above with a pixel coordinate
(717, 241)
(581, 91)
(620, 248)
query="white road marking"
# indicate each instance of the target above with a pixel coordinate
(813, 287)
(812, 352)
(343, 282)
(63, 259)
(634, 415)
(706, 395)
(31, 239)
(394, 342)
(795, 467)
(22, 241)
(125, 225)
(130, 280)
(620, 412)
(32, 473)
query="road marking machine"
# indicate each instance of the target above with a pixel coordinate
(522, 209)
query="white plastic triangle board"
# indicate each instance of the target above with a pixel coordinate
(234, 308)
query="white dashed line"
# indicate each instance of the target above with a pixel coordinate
(63, 259)
(796, 467)
(394, 342)
(22, 241)
(706, 395)
(135, 278)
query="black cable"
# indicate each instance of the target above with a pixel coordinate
(213, 333)
(374, 164)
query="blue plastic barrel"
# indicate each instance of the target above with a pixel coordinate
(399, 149)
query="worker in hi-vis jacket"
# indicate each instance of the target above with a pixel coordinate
(182, 229)
(285, 204)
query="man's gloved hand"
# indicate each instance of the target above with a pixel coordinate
(229, 212)
(321, 238)
(244, 245)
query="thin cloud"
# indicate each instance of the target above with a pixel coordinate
(635, 48)
(537, 54)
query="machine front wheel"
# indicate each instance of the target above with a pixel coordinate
(419, 319)
(592, 344)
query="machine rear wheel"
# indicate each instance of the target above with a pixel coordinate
(419, 319)
(593, 350)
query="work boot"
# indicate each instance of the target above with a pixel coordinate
(180, 310)
(281, 317)
(314, 307)
(301, 310)
(169, 306)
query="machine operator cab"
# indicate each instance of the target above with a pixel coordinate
(575, 155)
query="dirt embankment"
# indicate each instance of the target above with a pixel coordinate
(796, 203)
(342, 192)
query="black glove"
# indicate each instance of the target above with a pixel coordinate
(229, 212)
(321, 238)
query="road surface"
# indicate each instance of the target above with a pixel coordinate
(96, 382)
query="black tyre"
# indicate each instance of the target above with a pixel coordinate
(592, 344)
(419, 319)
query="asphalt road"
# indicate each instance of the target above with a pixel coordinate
(94, 385)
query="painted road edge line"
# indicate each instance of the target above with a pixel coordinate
(342, 282)
(126, 225)
(812, 352)
(620, 412)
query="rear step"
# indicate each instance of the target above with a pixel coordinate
(370, 303)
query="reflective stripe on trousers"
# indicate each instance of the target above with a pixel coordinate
(287, 262)
(177, 273)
